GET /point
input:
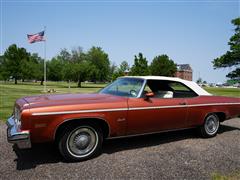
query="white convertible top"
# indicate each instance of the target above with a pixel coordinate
(192, 85)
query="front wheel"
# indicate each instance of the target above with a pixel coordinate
(80, 143)
(210, 126)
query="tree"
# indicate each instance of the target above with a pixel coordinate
(38, 67)
(234, 74)
(199, 81)
(82, 70)
(14, 60)
(20, 64)
(124, 67)
(232, 57)
(76, 65)
(163, 66)
(64, 55)
(31, 67)
(100, 64)
(113, 70)
(55, 69)
(140, 66)
(82, 66)
(4, 75)
(118, 72)
(64, 58)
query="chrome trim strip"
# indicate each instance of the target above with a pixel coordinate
(212, 104)
(156, 107)
(81, 111)
(181, 106)
(130, 109)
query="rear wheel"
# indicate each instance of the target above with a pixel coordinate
(80, 143)
(210, 126)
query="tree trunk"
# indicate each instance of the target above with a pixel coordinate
(15, 80)
(41, 82)
(22, 80)
(79, 83)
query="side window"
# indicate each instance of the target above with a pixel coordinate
(159, 88)
(176, 86)
(168, 89)
(147, 89)
(181, 91)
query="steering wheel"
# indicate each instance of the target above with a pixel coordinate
(133, 93)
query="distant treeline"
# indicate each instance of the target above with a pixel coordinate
(78, 66)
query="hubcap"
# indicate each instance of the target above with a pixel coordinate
(82, 141)
(211, 124)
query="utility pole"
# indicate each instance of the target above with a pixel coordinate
(45, 66)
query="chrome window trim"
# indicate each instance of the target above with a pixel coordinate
(142, 88)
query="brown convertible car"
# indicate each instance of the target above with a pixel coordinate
(79, 123)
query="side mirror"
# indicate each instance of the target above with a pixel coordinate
(149, 95)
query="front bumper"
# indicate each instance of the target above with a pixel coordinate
(20, 138)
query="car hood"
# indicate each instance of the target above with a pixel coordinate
(69, 99)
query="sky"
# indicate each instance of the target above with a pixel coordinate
(188, 31)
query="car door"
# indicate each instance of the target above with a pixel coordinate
(157, 113)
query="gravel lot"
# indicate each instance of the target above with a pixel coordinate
(174, 155)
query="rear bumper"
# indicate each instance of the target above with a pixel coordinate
(20, 138)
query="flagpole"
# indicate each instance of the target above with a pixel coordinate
(45, 66)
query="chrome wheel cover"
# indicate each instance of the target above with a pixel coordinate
(82, 141)
(211, 124)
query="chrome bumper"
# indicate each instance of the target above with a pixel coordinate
(20, 138)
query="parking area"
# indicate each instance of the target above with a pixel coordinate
(172, 155)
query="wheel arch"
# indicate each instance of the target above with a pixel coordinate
(78, 121)
(221, 115)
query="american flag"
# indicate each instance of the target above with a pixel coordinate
(32, 38)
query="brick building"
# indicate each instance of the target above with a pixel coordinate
(184, 71)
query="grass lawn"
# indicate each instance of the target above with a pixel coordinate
(233, 92)
(9, 92)
(232, 176)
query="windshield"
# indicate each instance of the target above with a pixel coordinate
(128, 87)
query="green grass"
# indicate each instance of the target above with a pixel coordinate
(232, 92)
(232, 176)
(9, 92)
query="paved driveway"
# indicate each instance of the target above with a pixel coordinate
(174, 155)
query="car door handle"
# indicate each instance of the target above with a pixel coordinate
(182, 103)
